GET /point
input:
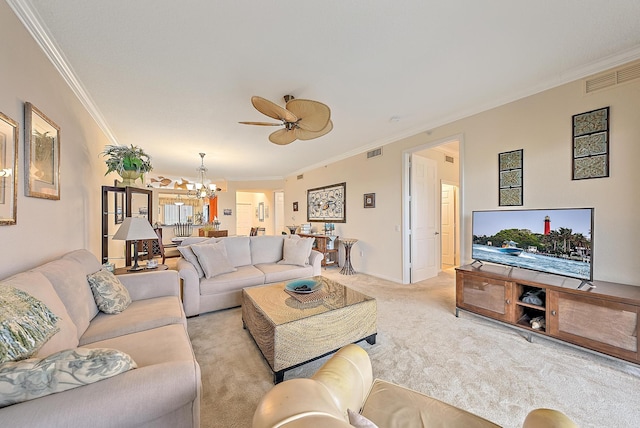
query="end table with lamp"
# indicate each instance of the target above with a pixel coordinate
(135, 229)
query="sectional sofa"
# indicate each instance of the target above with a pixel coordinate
(213, 281)
(162, 386)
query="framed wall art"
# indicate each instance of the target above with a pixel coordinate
(8, 166)
(327, 203)
(590, 150)
(42, 155)
(510, 178)
(369, 200)
(295, 206)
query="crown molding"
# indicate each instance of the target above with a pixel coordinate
(32, 22)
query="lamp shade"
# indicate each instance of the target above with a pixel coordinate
(135, 229)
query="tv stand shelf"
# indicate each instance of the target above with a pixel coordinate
(603, 318)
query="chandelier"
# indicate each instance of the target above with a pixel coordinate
(203, 188)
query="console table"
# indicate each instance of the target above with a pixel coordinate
(323, 244)
(603, 318)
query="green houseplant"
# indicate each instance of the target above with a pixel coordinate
(130, 162)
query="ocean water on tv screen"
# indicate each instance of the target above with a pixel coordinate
(555, 265)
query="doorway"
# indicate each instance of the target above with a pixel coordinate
(425, 250)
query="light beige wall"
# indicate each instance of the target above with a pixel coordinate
(541, 126)
(228, 200)
(47, 229)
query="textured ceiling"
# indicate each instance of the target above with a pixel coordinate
(175, 77)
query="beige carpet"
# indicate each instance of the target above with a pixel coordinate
(470, 362)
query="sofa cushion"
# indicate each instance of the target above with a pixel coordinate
(392, 405)
(245, 276)
(85, 259)
(150, 347)
(37, 285)
(28, 379)
(266, 249)
(25, 324)
(238, 250)
(110, 295)
(296, 251)
(274, 272)
(213, 259)
(69, 279)
(188, 254)
(139, 316)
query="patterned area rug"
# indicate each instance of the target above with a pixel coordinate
(478, 365)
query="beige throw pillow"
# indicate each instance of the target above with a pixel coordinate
(296, 251)
(190, 256)
(111, 296)
(213, 259)
(28, 379)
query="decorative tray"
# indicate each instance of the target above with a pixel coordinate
(303, 286)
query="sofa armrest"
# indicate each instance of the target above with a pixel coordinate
(147, 285)
(315, 260)
(547, 418)
(190, 287)
(139, 397)
(342, 383)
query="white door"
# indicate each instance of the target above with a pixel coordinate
(448, 229)
(425, 219)
(244, 219)
(279, 212)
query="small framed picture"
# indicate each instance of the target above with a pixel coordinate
(295, 206)
(369, 200)
(42, 155)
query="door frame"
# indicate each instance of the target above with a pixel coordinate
(406, 203)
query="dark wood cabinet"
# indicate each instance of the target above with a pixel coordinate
(118, 203)
(603, 318)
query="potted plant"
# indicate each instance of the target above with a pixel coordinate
(130, 162)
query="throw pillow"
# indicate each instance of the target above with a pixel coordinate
(296, 251)
(111, 296)
(191, 257)
(213, 259)
(359, 421)
(28, 379)
(25, 324)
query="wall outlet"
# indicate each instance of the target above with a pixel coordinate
(361, 253)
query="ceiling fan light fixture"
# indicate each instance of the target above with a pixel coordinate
(302, 119)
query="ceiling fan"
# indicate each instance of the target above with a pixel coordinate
(302, 119)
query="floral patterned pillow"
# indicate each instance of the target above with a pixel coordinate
(25, 324)
(28, 379)
(111, 296)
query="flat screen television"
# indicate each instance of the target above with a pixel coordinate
(557, 241)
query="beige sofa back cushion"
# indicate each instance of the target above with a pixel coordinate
(85, 259)
(38, 286)
(238, 250)
(69, 279)
(266, 249)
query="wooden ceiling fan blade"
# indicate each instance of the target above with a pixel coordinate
(302, 134)
(272, 110)
(283, 137)
(261, 123)
(313, 115)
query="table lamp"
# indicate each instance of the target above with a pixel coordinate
(135, 229)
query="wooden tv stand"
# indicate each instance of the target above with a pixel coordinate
(603, 318)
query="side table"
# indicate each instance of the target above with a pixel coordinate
(125, 271)
(347, 269)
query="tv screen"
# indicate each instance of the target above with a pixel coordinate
(557, 241)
